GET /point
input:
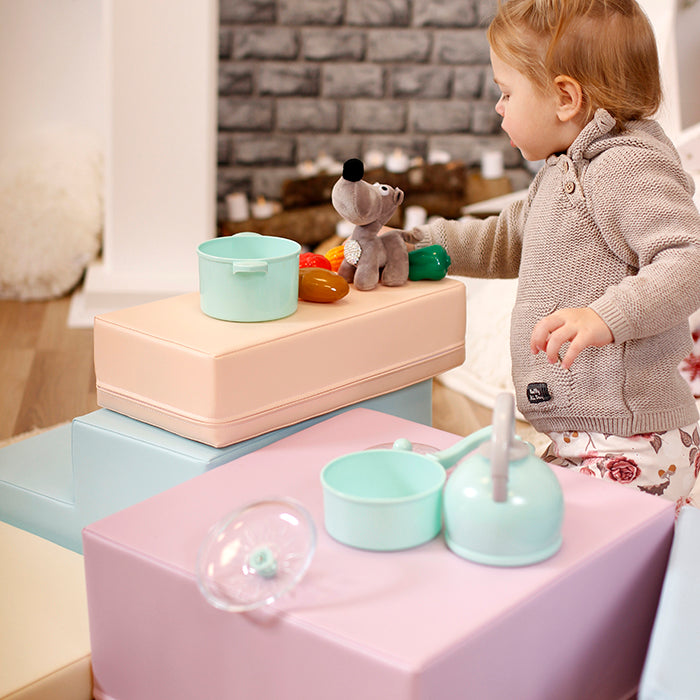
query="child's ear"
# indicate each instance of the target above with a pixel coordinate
(569, 97)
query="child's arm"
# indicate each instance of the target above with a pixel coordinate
(642, 203)
(488, 248)
(643, 207)
(582, 328)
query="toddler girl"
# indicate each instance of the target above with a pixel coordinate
(606, 245)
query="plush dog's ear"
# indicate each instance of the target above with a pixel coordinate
(353, 170)
(352, 198)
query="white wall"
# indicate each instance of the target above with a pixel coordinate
(51, 67)
(161, 138)
(141, 76)
(688, 41)
(677, 27)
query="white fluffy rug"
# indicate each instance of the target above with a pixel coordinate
(50, 213)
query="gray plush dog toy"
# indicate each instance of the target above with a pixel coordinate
(366, 251)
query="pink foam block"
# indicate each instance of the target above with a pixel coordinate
(417, 624)
(168, 364)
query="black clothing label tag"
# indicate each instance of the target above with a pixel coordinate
(538, 392)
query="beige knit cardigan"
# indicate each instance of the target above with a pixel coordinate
(609, 225)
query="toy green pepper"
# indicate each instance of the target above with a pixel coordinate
(429, 263)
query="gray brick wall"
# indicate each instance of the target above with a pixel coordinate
(342, 77)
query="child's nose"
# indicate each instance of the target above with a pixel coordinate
(499, 107)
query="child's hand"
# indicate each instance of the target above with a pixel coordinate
(412, 236)
(582, 327)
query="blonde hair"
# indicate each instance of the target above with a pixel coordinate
(607, 46)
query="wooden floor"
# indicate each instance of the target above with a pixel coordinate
(47, 374)
(46, 369)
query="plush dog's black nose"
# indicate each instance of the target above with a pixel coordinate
(353, 169)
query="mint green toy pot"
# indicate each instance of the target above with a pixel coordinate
(248, 277)
(501, 505)
(389, 499)
(383, 499)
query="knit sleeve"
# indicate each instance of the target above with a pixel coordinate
(641, 201)
(487, 248)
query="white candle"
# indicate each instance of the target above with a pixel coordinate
(344, 228)
(237, 206)
(438, 157)
(262, 208)
(374, 159)
(334, 167)
(414, 216)
(397, 161)
(534, 165)
(307, 168)
(417, 172)
(324, 162)
(491, 165)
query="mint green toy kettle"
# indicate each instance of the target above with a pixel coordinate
(503, 505)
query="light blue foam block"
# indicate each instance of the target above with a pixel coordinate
(672, 665)
(36, 485)
(57, 482)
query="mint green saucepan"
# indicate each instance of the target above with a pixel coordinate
(501, 505)
(248, 277)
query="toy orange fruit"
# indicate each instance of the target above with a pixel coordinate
(335, 256)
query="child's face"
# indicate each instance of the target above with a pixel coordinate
(529, 116)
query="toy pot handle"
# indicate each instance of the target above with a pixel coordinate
(245, 234)
(248, 266)
(450, 456)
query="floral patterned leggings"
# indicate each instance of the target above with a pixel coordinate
(664, 464)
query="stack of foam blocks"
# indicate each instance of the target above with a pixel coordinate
(183, 393)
